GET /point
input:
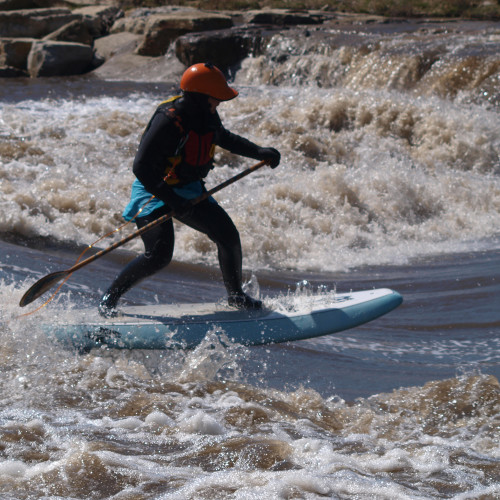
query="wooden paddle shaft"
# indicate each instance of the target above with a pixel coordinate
(165, 217)
(47, 282)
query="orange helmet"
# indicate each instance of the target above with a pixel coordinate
(205, 78)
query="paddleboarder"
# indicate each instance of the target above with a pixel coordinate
(175, 154)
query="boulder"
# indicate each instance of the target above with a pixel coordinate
(50, 58)
(117, 43)
(34, 23)
(162, 29)
(134, 25)
(224, 48)
(99, 19)
(17, 4)
(9, 72)
(129, 66)
(14, 52)
(284, 17)
(75, 31)
(37, 4)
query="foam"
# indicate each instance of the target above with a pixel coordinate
(366, 177)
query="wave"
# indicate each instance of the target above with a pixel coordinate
(368, 176)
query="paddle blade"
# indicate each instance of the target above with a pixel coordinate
(41, 286)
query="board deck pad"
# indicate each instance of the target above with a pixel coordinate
(174, 326)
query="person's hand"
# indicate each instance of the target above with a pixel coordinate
(270, 155)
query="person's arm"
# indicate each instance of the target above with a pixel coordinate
(243, 147)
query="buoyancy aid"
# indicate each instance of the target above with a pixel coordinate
(193, 158)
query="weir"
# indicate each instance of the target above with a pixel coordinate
(421, 58)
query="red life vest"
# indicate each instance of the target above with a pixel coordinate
(194, 155)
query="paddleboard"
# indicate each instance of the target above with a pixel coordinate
(184, 326)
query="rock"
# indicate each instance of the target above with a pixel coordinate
(66, 38)
(224, 48)
(130, 24)
(81, 3)
(130, 66)
(49, 58)
(161, 30)
(75, 31)
(283, 17)
(17, 4)
(14, 52)
(34, 23)
(99, 19)
(37, 4)
(9, 72)
(116, 43)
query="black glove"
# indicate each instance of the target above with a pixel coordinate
(271, 155)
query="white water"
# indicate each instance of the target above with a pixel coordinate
(366, 177)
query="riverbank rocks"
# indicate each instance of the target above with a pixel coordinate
(227, 47)
(75, 31)
(23, 31)
(282, 17)
(224, 48)
(33, 23)
(68, 37)
(14, 52)
(161, 30)
(49, 58)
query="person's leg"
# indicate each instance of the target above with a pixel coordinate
(211, 219)
(158, 251)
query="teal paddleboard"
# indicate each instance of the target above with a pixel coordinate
(174, 326)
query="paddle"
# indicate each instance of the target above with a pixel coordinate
(47, 282)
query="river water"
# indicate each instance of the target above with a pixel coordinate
(390, 140)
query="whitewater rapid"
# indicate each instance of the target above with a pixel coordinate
(366, 177)
(390, 145)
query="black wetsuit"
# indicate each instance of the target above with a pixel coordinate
(163, 139)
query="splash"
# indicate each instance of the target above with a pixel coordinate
(215, 356)
(192, 440)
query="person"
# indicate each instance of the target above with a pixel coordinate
(175, 154)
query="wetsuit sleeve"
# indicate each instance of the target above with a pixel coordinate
(237, 144)
(159, 142)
